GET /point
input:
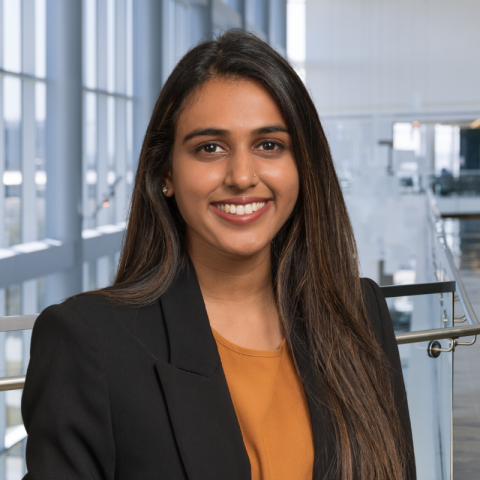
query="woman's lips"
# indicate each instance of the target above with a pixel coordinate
(241, 213)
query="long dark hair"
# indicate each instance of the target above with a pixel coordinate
(314, 258)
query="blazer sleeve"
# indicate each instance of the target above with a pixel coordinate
(380, 316)
(65, 403)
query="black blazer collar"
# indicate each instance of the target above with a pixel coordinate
(192, 345)
(196, 392)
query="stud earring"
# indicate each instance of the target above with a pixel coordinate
(165, 189)
(254, 175)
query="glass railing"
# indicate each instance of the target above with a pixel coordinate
(466, 183)
(428, 376)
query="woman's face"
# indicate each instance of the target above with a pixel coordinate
(233, 173)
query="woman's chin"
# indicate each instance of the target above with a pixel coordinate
(244, 250)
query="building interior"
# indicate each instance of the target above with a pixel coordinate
(396, 88)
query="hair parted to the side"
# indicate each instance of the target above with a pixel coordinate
(314, 258)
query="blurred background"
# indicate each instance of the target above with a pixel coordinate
(395, 84)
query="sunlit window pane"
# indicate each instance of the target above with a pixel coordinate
(40, 166)
(406, 136)
(90, 43)
(12, 59)
(129, 49)
(12, 176)
(40, 38)
(111, 45)
(90, 158)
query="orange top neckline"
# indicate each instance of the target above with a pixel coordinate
(249, 352)
(271, 408)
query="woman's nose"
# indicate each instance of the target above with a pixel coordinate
(241, 171)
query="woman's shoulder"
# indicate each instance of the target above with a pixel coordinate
(106, 322)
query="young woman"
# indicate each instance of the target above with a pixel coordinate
(238, 340)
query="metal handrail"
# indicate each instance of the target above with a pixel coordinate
(12, 383)
(437, 334)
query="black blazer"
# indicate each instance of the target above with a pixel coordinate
(128, 393)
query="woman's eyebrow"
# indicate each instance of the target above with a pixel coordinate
(269, 129)
(212, 131)
(205, 132)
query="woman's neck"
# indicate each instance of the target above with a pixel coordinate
(239, 297)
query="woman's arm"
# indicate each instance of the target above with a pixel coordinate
(377, 307)
(65, 404)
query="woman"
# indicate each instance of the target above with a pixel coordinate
(238, 340)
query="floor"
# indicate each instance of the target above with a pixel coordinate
(466, 411)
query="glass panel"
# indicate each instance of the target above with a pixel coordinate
(40, 38)
(111, 45)
(12, 176)
(129, 166)
(428, 381)
(129, 50)
(40, 165)
(111, 167)
(13, 346)
(90, 43)
(12, 57)
(90, 159)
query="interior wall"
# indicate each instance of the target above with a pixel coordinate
(399, 56)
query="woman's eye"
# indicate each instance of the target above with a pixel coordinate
(209, 148)
(270, 146)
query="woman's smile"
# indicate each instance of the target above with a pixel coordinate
(241, 210)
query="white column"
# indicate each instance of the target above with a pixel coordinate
(64, 139)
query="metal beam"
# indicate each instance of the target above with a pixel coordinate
(37, 259)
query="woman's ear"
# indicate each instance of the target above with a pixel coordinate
(167, 185)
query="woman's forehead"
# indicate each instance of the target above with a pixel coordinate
(230, 105)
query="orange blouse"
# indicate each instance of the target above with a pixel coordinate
(272, 410)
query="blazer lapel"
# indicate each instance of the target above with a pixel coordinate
(196, 391)
(322, 427)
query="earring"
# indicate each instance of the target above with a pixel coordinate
(254, 175)
(165, 189)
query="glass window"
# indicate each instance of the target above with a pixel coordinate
(12, 45)
(40, 165)
(40, 39)
(12, 174)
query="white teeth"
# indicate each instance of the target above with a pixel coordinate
(241, 209)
